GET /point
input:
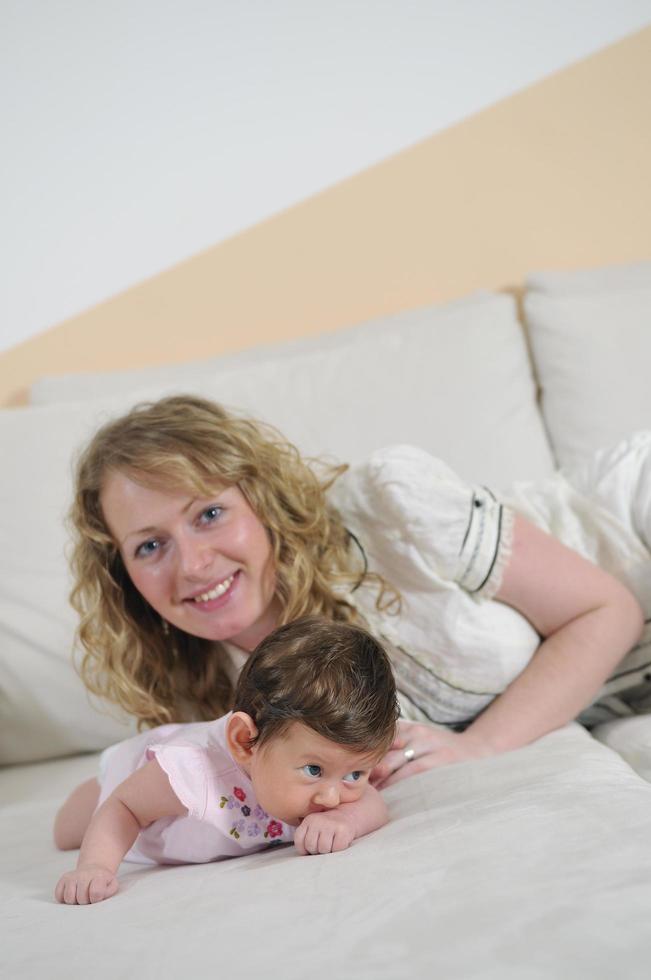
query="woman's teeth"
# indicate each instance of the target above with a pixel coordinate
(216, 592)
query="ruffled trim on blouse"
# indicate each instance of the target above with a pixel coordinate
(493, 583)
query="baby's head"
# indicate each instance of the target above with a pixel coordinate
(315, 709)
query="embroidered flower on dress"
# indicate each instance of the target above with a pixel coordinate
(274, 829)
(237, 828)
(228, 801)
(256, 824)
(232, 799)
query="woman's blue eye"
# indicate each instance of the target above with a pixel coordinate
(353, 776)
(210, 514)
(312, 770)
(147, 548)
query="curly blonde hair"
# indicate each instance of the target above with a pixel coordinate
(159, 673)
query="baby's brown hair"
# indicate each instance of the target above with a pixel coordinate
(335, 678)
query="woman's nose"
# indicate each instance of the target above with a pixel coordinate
(194, 556)
(327, 795)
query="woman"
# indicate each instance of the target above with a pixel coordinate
(198, 532)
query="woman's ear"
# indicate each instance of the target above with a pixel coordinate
(240, 730)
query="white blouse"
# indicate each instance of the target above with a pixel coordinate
(445, 543)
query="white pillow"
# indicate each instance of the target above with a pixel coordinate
(44, 710)
(455, 380)
(611, 277)
(590, 334)
(630, 738)
(92, 385)
(460, 387)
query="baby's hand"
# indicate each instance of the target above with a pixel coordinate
(85, 886)
(322, 833)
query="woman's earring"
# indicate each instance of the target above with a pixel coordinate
(166, 627)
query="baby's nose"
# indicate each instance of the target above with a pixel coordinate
(328, 795)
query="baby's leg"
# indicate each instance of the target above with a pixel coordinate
(74, 816)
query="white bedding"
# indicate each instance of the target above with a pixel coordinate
(530, 865)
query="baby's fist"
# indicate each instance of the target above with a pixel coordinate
(85, 886)
(322, 833)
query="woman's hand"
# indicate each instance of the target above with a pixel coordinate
(418, 748)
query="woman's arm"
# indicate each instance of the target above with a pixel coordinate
(589, 621)
(142, 798)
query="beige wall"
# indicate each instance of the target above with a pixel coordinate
(555, 176)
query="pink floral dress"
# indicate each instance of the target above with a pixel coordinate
(224, 818)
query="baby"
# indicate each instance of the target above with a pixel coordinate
(314, 710)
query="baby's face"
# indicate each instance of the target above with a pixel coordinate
(301, 772)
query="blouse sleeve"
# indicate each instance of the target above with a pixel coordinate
(420, 521)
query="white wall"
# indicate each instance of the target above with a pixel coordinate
(138, 132)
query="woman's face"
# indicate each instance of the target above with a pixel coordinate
(204, 564)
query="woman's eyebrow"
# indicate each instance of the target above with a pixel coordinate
(141, 530)
(152, 527)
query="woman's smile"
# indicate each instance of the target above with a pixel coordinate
(216, 595)
(204, 564)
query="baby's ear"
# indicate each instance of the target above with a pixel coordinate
(240, 730)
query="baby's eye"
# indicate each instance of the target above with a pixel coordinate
(354, 776)
(312, 770)
(210, 514)
(147, 548)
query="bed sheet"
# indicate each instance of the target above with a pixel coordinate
(535, 864)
